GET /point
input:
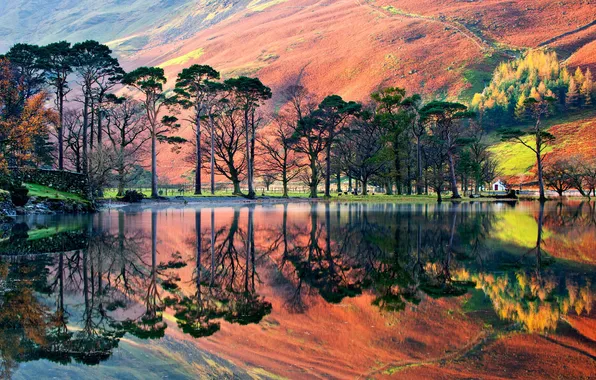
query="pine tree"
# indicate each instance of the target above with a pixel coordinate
(534, 94)
(542, 88)
(588, 89)
(572, 99)
(520, 107)
(579, 77)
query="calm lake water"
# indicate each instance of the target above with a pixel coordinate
(340, 290)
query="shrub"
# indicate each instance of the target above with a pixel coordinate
(19, 195)
(133, 196)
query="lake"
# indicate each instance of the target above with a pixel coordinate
(302, 290)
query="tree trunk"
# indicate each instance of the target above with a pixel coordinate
(439, 198)
(540, 177)
(338, 180)
(389, 187)
(120, 176)
(252, 151)
(539, 160)
(284, 181)
(398, 183)
(198, 156)
(419, 187)
(409, 180)
(251, 192)
(212, 163)
(85, 159)
(364, 185)
(99, 124)
(60, 130)
(328, 172)
(154, 193)
(237, 190)
(313, 179)
(453, 178)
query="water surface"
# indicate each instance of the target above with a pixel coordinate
(301, 291)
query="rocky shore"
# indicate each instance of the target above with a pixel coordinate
(40, 205)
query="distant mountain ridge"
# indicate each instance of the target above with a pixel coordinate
(139, 22)
(424, 45)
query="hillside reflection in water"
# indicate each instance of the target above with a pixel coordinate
(299, 290)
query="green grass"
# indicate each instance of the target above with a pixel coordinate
(50, 193)
(43, 233)
(379, 198)
(383, 198)
(111, 193)
(514, 159)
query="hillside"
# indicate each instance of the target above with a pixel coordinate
(445, 48)
(573, 138)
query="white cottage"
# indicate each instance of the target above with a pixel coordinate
(498, 186)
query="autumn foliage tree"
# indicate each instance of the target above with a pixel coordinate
(21, 122)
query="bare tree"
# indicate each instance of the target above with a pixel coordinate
(276, 157)
(557, 176)
(127, 130)
(309, 136)
(72, 125)
(228, 144)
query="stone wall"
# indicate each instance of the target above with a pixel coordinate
(71, 182)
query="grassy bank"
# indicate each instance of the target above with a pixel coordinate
(50, 193)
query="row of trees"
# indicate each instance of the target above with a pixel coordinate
(571, 173)
(106, 134)
(394, 141)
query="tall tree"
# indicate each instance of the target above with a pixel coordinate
(26, 60)
(446, 117)
(56, 61)
(93, 63)
(20, 126)
(229, 146)
(417, 129)
(572, 100)
(105, 82)
(213, 96)
(538, 110)
(149, 82)
(361, 148)
(194, 92)
(395, 119)
(587, 89)
(333, 114)
(250, 93)
(309, 136)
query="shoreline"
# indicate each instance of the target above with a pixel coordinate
(223, 201)
(233, 201)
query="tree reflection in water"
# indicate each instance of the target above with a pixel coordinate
(106, 283)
